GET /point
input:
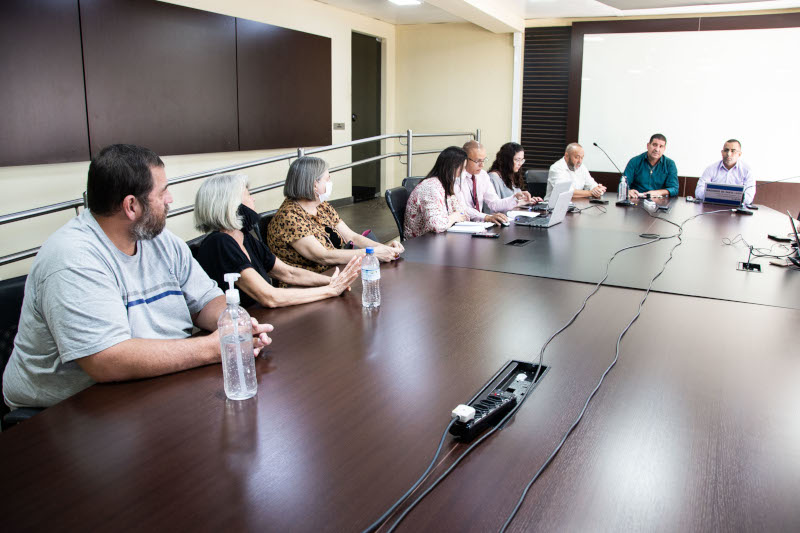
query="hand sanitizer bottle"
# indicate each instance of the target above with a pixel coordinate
(622, 192)
(236, 346)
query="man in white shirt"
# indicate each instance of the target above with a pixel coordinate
(570, 168)
(475, 189)
(729, 171)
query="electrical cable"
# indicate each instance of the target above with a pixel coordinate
(599, 207)
(377, 523)
(614, 362)
(534, 384)
(759, 252)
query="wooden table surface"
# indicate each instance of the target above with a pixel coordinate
(579, 248)
(695, 429)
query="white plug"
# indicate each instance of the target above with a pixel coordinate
(464, 413)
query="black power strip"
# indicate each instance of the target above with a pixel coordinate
(507, 388)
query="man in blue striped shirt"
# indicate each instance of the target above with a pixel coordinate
(652, 173)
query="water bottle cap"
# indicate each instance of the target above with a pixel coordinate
(370, 251)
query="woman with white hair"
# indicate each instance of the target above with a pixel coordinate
(307, 232)
(224, 207)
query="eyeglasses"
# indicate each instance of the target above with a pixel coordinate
(520, 161)
(478, 162)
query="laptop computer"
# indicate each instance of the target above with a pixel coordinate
(724, 194)
(559, 212)
(796, 258)
(558, 188)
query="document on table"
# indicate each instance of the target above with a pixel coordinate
(514, 214)
(469, 227)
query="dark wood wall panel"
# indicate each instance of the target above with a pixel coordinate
(758, 22)
(544, 95)
(284, 87)
(42, 104)
(159, 75)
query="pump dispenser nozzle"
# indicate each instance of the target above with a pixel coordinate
(232, 295)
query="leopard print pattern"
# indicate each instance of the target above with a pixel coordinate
(291, 223)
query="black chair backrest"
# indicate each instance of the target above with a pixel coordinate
(12, 292)
(263, 223)
(536, 180)
(410, 183)
(396, 199)
(194, 245)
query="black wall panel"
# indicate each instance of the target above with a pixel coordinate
(284, 87)
(42, 104)
(159, 75)
(545, 85)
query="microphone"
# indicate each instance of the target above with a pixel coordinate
(609, 158)
(625, 202)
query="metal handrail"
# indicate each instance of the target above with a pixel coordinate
(80, 202)
(39, 211)
(232, 168)
(353, 143)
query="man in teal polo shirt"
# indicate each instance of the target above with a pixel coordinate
(652, 172)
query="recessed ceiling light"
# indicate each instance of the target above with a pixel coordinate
(406, 2)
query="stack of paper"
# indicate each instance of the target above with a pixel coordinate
(469, 227)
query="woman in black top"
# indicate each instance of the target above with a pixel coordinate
(224, 207)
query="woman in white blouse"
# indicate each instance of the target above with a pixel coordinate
(433, 205)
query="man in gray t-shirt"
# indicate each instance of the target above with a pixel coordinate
(111, 295)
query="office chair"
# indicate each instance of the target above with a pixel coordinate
(396, 199)
(410, 183)
(194, 245)
(12, 292)
(536, 180)
(263, 224)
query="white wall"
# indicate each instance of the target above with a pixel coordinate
(697, 88)
(454, 77)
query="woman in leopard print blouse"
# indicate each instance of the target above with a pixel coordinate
(307, 232)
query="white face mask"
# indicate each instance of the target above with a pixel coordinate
(323, 197)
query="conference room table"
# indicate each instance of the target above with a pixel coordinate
(695, 428)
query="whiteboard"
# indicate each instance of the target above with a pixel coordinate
(699, 89)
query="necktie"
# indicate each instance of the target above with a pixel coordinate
(475, 193)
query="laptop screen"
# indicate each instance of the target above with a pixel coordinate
(794, 228)
(724, 194)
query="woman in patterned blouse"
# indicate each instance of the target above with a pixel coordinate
(433, 205)
(307, 232)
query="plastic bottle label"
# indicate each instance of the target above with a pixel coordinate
(370, 275)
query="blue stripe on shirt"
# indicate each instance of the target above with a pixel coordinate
(154, 298)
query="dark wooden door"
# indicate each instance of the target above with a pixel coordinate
(366, 106)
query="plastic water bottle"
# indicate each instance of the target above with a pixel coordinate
(370, 280)
(622, 192)
(236, 347)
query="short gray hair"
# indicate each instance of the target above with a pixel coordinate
(571, 147)
(302, 176)
(217, 203)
